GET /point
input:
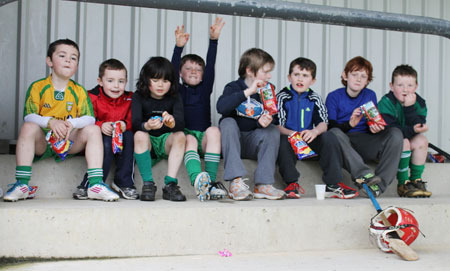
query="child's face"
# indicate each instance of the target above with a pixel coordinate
(191, 73)
(300, 79)
(402, 86)
(64, 61)
(356, 81)
(264, 73)
(159, 87)
(113, 82)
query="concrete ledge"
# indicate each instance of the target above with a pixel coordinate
(58, 180)
(68, 228)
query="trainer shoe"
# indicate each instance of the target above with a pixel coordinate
(267, 191)
(340, 191)
(239, 190)
(375, 189)
(293, 191)
(17, 192)
(421, 185)
(80, 193)
(125, 192)
(148, 191)
(409, 190)
(32, 192)
(102, 191)
(172, 192)
(217, 191)
(202, 185)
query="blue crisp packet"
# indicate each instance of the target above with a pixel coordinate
(250, 108)
(157, 118)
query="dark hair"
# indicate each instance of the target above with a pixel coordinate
(357, 64)
(193, 58)
(404, 70)
(52, 47)
(254, 59)
(111, 64)
(156, 68)
(304, 64)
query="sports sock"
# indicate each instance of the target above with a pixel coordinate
(23, 174)
(416, 171)
(403, 167)
(168, 179)
(95, 176)
(193, 165)
(144, 163)
(212, 164)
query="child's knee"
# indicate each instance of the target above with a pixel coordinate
(179, 138)
(141, 138)
(213, 134)
(29, 128)
(191, 142)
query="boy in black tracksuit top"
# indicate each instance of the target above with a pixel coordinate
(301, 109)
(403, 108)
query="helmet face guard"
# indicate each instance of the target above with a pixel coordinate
(401, 221)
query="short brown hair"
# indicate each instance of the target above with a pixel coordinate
(193, 58)
(52, 46)
(304, 64)
(404, 70)
(111, 64)
(357, 64)
(254, 59)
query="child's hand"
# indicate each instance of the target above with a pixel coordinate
(308, 135)
(254, 87)
(123, 126)
(58, 127)
(376, 128)
(265, 120)
(410, 99)
(420, 128)
(69, 128)
(216, 28)
(181, 37)
(153, 124)
(356, 117)
(107, 128)
(168, 120)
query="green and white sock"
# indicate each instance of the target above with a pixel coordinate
(403, 167)
(193, 165)
(416, 171)
(95, 176)
(212, 161)
(23, 174)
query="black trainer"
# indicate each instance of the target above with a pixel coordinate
(148, 191)
(80, 193)
(172, 192)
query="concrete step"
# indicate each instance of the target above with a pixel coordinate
(65, 228)
(58, 180)
(435, 259)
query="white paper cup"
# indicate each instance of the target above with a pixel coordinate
(320, 191)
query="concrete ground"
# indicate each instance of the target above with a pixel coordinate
(345, 260)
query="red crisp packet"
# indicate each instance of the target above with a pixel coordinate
(117, 138)
(60, 147)
(268, 98)
(372, 114)
(300, 147)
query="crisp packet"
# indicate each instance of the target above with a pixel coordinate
(60, 147)
(268, 98)
(157, 118)
(250, 109)
(117, 138)
(372, 114)
(301, 149)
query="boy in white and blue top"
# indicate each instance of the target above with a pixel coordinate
(302, 110)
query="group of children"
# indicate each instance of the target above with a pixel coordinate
(169, 117)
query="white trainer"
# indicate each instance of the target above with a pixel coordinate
(202, 184)
(102, 191)
(16, 192)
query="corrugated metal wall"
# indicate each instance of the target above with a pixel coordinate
(134, 34)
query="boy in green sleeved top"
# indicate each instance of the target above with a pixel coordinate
(402, 107)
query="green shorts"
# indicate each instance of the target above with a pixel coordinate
(199, 136)
(158, 151)
(49, 152)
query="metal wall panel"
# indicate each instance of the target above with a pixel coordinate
(132, 35)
